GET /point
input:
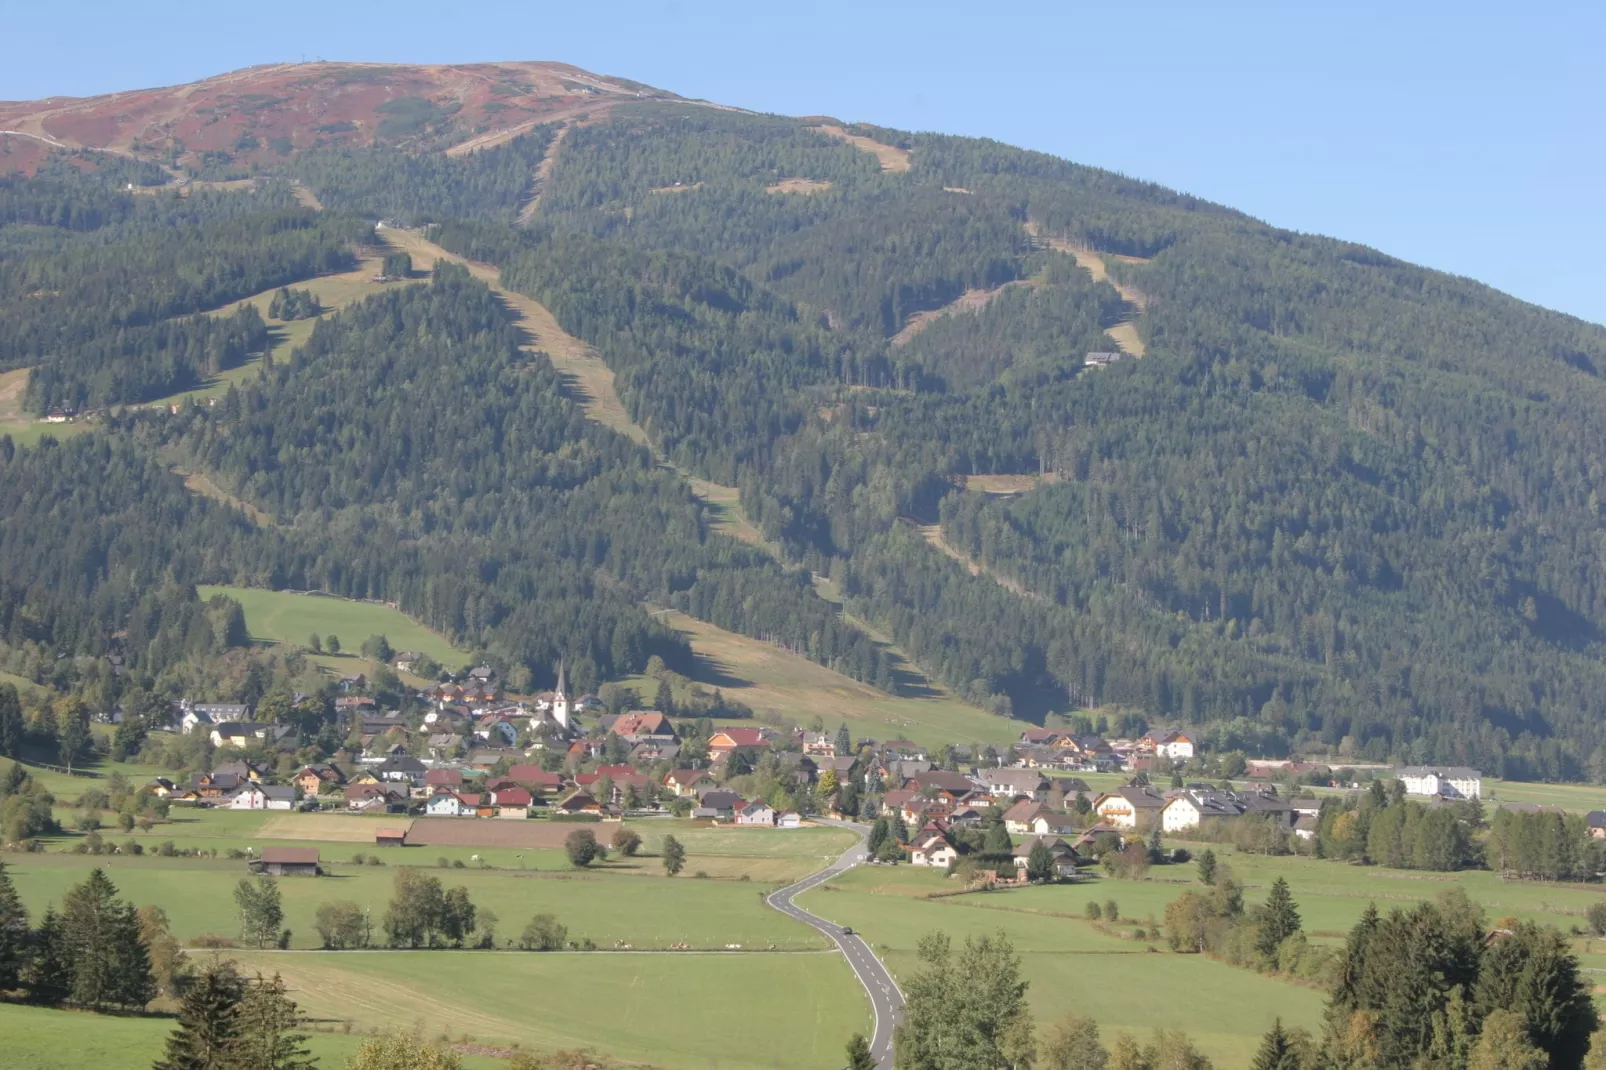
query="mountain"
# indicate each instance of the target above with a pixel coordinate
(259, 116)
(1078, 444)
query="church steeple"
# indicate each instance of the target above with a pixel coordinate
(560, 698)
(563, 690)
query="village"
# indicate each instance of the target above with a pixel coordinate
(470, 750)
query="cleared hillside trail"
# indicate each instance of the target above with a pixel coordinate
(892, 158)
(1124, 334)
(969, 301)
(933, 535)
(543, 174)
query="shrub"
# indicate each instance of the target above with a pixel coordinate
(1112, 912)
(543, 934)
(212, 940)
(1094, 911)
(1596, 915)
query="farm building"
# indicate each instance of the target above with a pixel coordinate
(287, 862)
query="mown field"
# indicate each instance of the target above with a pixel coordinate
(1136, 985)
(773, 681)
(675, 1010)
(39, 1039)
(282, 617)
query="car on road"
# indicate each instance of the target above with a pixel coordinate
(847, 930)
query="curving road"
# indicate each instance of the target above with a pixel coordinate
(885, 998)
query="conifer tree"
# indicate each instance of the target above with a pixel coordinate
(1279, 919)
(844, 741)
(1276, 1051)
(267, 1035)
(1207, 867)
(13, 930)
(859, 1057)
(107, 960)
(208, 1024)
(48, 975)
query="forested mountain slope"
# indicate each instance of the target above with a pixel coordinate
(1341, 503)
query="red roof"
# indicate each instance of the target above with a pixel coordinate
(448, 777)
(645, 722)
(614, 772)
(738, 737)
(513, 797)
(534, 776)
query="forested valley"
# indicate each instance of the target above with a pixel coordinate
(1341, 504)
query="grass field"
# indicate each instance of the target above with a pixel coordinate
(774, 681)
(283, 617)
(671, 1010)
(24, 428)
(1074, 964)
(39, 1039)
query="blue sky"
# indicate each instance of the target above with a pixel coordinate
(1467, 136)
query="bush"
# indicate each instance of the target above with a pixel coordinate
(212, 940)
(544, 934)
(1094, 911)
(1596, 916)
(131, 847)
(626, 842)
(1112, 912)
(582, 847)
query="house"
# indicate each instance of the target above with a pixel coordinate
(449, 803)
(390, 837)
(443, 778)
(401, 767)
(1013, 783)
(1018, 819)
(372, 796)
(685, 782)
(820, 745)
(937, 781)
(354, 681)
(756, 812)
(904, 748)
(312, 779)
(246, 733)
(482, 674)
(727, 740)
(287, 862)
(407, 660)
(1129, 807)
(1306, 825)
(253, 796)
(194, 714)
(535, 778)
(932, 850)
(1170, 744)
(1064, 855)
(1051, 823)
(1595, 821)
(1449, 781)
(717, 804)
(1193, 808)
(579, 802)
(513, 802)
(642, 725)
(788, 819)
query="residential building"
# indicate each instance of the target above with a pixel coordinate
(1064, 855)
(1015, 783)
(1129, 807)
(931, 849)
(756, 812)
(1448, 781)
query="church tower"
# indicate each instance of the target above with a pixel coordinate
(560, 698)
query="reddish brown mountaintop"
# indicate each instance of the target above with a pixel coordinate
(262, 114)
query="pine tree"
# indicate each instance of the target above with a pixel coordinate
(1279, 919)
(1207, 867)
(844, 741)
(107, 961)
(208, 1023)
(266, 1033)
(1040, 863)
(13, 930)
(11, 726)
(48, 975)
(1276, 1051)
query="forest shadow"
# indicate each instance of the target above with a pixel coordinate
(709, 670)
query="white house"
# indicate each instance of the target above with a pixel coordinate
(1189, 809)
(756, 812)
(1127, 807)
(788, 819)
(1174, 745)
(933, 851)
(1449, 781)
(254, 796)
(449, 804)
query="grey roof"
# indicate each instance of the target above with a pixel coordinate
(1443, 772)
(277, 791)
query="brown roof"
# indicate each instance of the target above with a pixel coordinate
(390, 834)
(302, 855)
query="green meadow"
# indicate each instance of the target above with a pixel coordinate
(283, 617)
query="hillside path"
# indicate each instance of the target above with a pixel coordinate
(886, 999)
(1125, 333)
(543, 172)
(933, 535)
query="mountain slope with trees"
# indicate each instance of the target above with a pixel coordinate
(1341, 504)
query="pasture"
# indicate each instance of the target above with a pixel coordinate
(1097, 969)
(24, 428)
(776, 682)
(677, 1010)
(284, 617)
(38, 1038)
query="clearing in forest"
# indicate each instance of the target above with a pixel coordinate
(587, 375)
(933, 535)
(543, 173)
(892, 158)
(1125, 333)
(289, 617)
(798, 185)
(773, 680)
(969, 301)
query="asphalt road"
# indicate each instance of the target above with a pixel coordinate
(885, 998)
